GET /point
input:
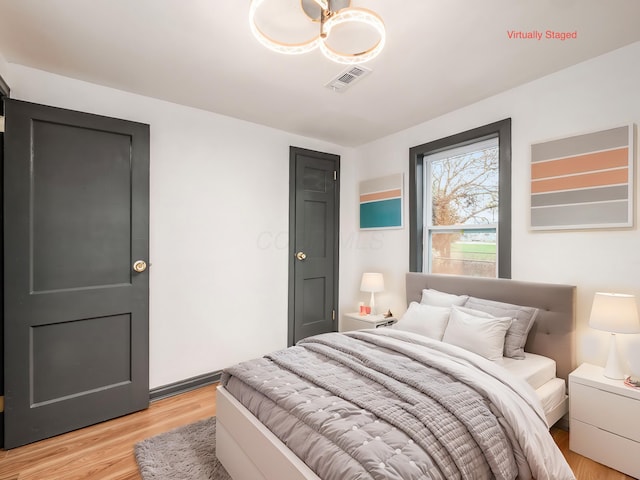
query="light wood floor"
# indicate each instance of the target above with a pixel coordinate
(105, 451)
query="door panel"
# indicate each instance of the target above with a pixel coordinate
(76, 197)
(68, 234)
(315, 218)
(94, 343)
(314, 232)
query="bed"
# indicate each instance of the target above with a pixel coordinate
(249, 450)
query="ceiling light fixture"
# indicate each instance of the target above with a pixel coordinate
(329, 14)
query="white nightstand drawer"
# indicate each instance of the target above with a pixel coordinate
(355, 321)
(612, 450)
(605, 410)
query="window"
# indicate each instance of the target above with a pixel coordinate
(460, 203)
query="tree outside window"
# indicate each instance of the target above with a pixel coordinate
(460, 203)
(462, 200)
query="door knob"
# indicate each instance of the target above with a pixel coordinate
(301, 256)
(140, 266)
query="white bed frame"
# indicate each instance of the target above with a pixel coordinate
(249, 451)
(559, 411)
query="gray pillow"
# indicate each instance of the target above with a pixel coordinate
(523, 318)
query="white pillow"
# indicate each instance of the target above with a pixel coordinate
(478, 334)
(426, 320)
(441, 299)
(523, 318)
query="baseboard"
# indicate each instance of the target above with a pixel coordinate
(184, 386)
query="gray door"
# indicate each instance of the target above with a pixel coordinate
(313, 243)
(76, 202)
(4, 92)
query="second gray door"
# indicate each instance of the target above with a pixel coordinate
(313, 243)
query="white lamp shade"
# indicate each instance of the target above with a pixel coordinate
(372, 282)
(614, 312)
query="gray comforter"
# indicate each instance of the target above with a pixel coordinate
(390, 405)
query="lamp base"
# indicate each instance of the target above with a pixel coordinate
(613, 368)
(372, 303)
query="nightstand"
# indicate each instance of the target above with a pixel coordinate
(604, 419)
(355, 321)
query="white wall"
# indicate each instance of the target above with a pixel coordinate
(597, 94)
(219, 210)
(219, 224)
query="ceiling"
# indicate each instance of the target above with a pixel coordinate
(440, 55)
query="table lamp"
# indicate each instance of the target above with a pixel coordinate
(372, 282)
(614, 313)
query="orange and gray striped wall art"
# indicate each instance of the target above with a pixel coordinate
(585, 181)
(381, 202)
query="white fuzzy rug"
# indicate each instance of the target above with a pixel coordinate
(186, 453)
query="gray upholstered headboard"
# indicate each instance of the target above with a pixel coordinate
(553, 333)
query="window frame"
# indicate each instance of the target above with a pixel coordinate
(417, 154)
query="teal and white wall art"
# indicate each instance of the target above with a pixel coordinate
(381, 202)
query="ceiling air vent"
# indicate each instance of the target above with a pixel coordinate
(348, 78)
